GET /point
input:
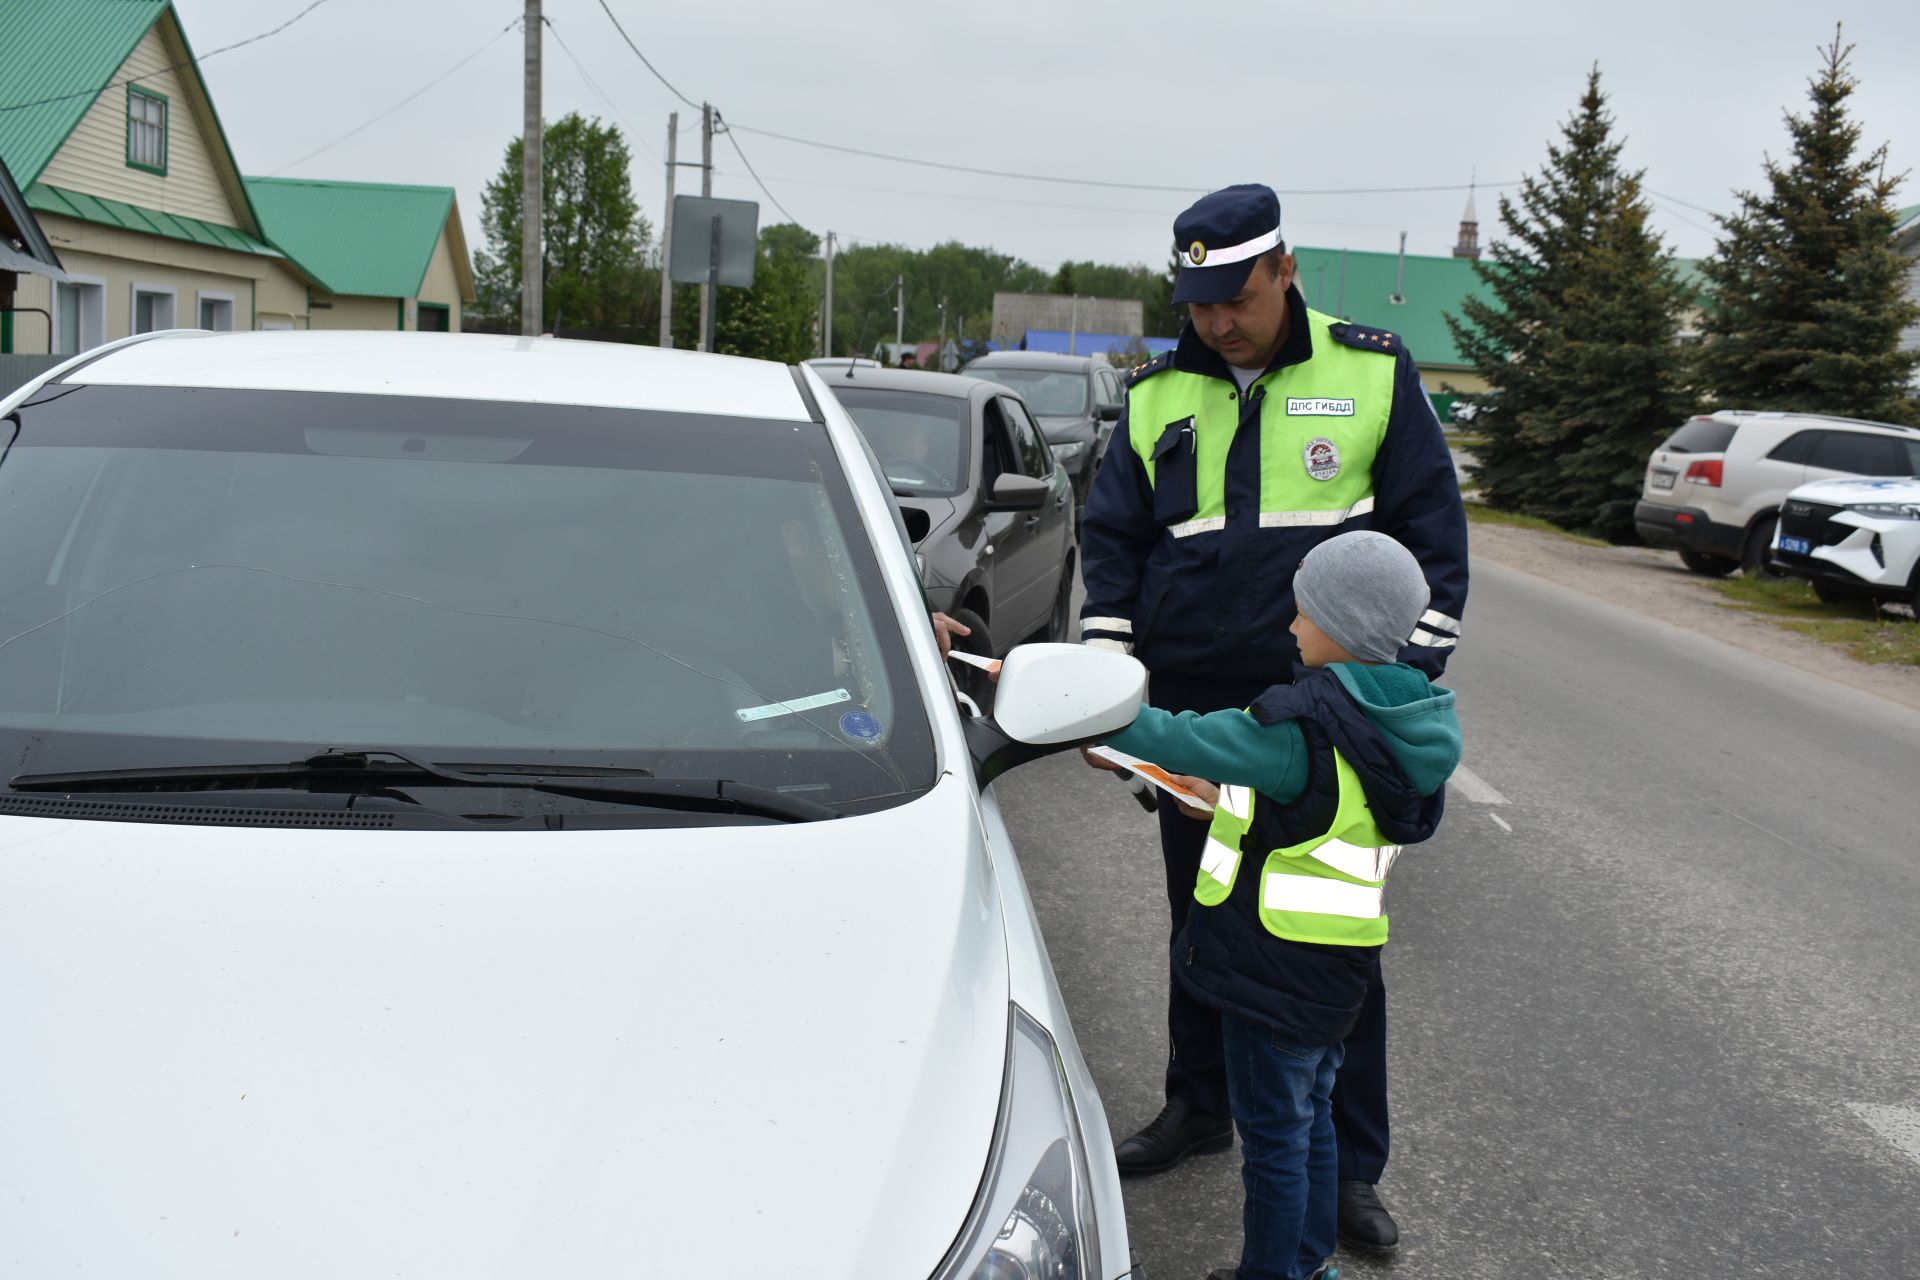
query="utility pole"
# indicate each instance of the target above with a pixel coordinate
(899, 315)
(942, 356)
(826, 309)
(531, 264)
(666, 239)
(1073, 328)
(706, 189)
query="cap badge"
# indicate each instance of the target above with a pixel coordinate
(1196, 253)
(1322, 458)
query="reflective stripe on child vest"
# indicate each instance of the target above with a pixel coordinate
(1328, 889)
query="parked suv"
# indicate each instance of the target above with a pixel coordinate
(1855, 539)
(1713, 489)
(1076, 398)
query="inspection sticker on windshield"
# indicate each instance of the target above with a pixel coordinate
(749, 714)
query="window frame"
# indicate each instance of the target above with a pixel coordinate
(167, 291)
(1019, 420)
(90, 335)
(203, 296)
(166, 119)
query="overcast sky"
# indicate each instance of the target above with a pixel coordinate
(1338, 97)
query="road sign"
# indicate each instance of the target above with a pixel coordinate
(714, 240)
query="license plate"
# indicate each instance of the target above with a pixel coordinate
(1799, 546)
(1663, 479)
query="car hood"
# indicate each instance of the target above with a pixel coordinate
(1841, 493)
(721, 1051)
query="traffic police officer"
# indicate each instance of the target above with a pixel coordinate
(1268, 429)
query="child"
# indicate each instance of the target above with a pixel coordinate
(1324, 780)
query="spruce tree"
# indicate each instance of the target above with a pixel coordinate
(1578, 338)
(1809, 295)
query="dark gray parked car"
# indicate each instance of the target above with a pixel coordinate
(987, 509)
(1076, 398)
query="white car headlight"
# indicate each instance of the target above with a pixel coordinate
(1071, 451)
(1033, 1219)
(1888, 510)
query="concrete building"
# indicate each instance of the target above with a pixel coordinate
(1906, 238)
(1015, 313)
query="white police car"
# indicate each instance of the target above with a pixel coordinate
(488, 807)
(1853, 539)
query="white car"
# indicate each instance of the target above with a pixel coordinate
(1854, 539)
(494, 808)
(1713, 488)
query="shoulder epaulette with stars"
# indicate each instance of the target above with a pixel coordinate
(1353, 335)
(1162, 361)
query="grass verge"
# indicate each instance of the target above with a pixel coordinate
(1868, 634)
(1480, 513)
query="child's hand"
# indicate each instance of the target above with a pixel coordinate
(1200, 787)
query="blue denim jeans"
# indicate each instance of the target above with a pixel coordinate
(1279, 1092)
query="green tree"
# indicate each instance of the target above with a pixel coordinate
(774, 319)
(1579, 340)
(1809, 296)
(594, 272)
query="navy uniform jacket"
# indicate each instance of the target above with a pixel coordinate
(1217, 607)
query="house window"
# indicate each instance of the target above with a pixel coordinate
(433, 318)
(216, 312)
(80, 315)
(146, 130)
(152, 308)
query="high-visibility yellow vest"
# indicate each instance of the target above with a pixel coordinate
(1321, 423)
(1328, 889)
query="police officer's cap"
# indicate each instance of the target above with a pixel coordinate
(1220, 237)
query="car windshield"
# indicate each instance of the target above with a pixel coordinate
(216, 577)
(1050, 393)
(920, 439)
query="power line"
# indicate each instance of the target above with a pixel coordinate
(403, 102)
(643, 59)
(633, 133)
(1684, 204)
(756, 177)
(1095, 182)
(177, 66)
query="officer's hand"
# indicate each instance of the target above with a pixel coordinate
(1200, 787)
(944, 629)
(1100, 763)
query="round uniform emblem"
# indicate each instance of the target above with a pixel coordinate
(1323, 458)
(1196, 253)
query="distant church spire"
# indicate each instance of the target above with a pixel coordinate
(1469, 243)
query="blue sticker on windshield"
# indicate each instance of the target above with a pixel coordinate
(860, 725)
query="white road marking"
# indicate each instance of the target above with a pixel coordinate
(1502, 821)
(1898, 1125)
(1474, 787)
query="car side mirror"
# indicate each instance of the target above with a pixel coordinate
(1052, 697)
(919, 523)
(1017, 493)
(1107, 412)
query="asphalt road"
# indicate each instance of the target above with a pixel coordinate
(1654, 987)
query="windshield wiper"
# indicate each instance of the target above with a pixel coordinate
(379, 768)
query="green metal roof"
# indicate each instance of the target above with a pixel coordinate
(361, 238)
(55, 58)
(1359, 286)
(1906, 215)
(132, 217)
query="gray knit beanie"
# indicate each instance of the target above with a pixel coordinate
(1365, 591)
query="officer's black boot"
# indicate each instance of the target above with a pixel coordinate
(1364, 1221)
(1177, 1132)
